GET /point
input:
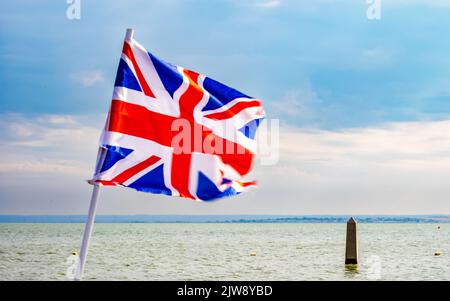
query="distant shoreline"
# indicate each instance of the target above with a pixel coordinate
(155, 219)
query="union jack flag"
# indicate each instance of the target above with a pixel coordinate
(152, 101)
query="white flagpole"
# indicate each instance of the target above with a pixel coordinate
(92, 208)
(87, 232)
(129, 34)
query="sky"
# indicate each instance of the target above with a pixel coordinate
(363, 104)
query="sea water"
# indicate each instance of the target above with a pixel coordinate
(224, 251)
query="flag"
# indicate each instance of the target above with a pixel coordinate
(176, 132)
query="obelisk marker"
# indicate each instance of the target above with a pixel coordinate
(351, 243)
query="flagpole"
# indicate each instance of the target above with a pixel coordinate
(87, 232)
(92, 209)
(129, 34)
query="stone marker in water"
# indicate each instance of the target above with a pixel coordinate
(351, 243)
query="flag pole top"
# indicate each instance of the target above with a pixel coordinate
(130, 33)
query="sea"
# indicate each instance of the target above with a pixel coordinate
(233, 248)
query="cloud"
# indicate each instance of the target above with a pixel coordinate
(307, 5)
(18, 164)
(57, 119)
(88, 78)
(430, 3)
(298, 106)
(392, 168)
(426, 143)
(375, 57)
(48, 143)
(269, 4)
